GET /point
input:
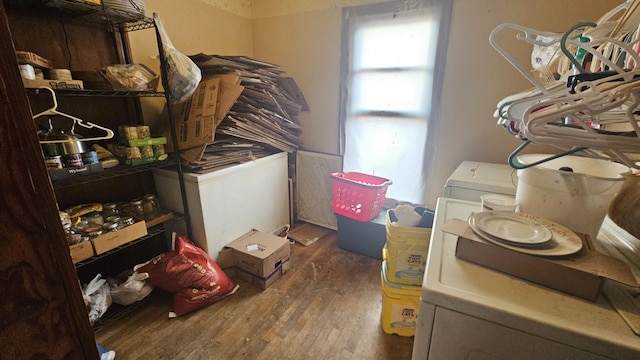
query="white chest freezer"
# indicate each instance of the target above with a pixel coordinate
(227, 203)
(472, 179)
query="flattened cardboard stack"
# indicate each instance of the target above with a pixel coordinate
(243, 109)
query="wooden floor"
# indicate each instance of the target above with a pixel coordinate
(327, 306)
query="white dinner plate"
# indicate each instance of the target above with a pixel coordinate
(512, 227)
(563, 241)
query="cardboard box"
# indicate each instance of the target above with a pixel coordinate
(256, 280)
(81, 251)
(54, 84)
(27, 57)
(256, 257)
(582, 274)
(197, 119)
(142, 142)
(143, 161)
(113, 239)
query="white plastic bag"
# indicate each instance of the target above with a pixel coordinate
(98, 297)
(183, 74)
(134, 288)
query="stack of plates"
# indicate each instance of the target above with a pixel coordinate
(526, 233)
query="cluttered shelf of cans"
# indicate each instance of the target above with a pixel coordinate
(94, 229)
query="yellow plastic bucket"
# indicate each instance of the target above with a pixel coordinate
(400, 305)
(406, 251)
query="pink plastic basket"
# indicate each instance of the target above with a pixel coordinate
(358, 196)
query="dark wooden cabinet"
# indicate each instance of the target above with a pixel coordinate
(42, 313)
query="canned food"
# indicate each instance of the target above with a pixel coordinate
(133, 152)
(53, 162)
(60, 74)
(113, 219)
(94, 234)
(90, 157)
(110, 226)
(144, 132)
(158, 150)
(127, 220)
(128, 132)
(73, 160)
(109, 210)
(146, 151)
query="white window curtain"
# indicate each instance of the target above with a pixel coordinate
(392, 56)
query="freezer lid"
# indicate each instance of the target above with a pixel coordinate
(489, 177)
(206, 177)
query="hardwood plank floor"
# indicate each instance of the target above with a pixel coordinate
(327, 306)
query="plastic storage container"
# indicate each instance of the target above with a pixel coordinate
(365, 238)
(406, 250)
(358, 196)
(573, 191)
(400, 305)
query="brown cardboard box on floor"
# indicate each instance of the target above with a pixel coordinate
(256, 257)
(582, 274)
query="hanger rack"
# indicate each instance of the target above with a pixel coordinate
(53, 111)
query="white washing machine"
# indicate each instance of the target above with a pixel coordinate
(472, 179)
(468, 311)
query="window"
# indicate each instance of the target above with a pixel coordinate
(388, 68)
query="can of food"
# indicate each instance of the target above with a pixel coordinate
(53, 162)
(133, 152)
(128, 132)
(113, 219)
(110, 226)
(60, 74)
(158, 150)
(127, 220)
(73, 160)
(146, 151)
(89, 157)
(144, 132)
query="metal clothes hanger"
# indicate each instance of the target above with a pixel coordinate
(53, 111)
(516, 164)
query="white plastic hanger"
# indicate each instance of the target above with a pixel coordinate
(53, 111)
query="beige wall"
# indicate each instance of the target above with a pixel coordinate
(194, 26)
(304, 38)
(477, 76)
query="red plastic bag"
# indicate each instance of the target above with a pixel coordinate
(188, 272)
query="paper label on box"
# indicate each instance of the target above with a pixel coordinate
(410, 264)
(403, 316)
(255, 247)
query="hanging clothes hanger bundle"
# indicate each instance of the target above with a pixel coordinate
(565, 113)
(53, 111)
